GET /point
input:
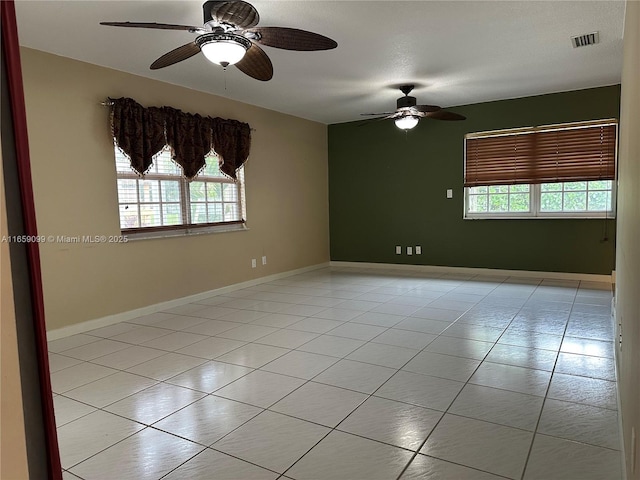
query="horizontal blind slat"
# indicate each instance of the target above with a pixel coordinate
(574, 154)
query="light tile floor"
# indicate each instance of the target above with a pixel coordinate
(349, 374)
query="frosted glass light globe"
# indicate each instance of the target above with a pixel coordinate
(407, 122)
(225, 52)
(223, 48)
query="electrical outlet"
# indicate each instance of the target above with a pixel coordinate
(264, 259)
(449, 193)
(418, 250)
(254, 263)
(409, 250)
(398, 250)
(620, 334)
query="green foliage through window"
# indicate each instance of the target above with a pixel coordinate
(499, 199)
(582, 198)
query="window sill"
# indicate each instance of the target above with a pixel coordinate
(185, 232)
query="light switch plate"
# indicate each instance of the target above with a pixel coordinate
(409, 250)
(449, 193)
(398, 250)
(418, 250)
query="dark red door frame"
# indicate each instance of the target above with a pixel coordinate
(11, 57)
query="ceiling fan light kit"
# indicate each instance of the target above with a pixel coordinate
(223, 48)
(408, 114)
(229, 36)
(407, 122)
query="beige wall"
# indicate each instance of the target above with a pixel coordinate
(13, 450)
(628, 237)
(75, 194)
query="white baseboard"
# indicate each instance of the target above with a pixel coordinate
(158, 307)
(590, 277)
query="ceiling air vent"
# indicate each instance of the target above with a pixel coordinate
(586, 39)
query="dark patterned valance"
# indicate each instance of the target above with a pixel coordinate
(143, 132)
(138, 131)
(232, 142)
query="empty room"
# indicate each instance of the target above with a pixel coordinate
(320, 240)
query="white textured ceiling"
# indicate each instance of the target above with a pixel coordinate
(456, 52)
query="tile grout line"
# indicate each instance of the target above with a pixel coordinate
(344, 357)
(347, 416)
(163, 381)
(417, 451)
(544, 401)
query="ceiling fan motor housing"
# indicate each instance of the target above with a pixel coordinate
(404, 102)
(206, 11)
(235, 13)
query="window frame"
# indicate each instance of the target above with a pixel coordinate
(535, 188)
(535, 212)
(187, 228)
(488, 214)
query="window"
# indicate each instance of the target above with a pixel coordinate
(562, 199)
(499, 198)
(168, 179)
(582, 197)
(554, 171)
(164, 200)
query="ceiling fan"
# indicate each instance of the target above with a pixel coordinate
(408, 114)
(229, 36)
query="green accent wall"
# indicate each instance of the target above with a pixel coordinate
(388, 188)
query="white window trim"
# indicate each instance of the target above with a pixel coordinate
(187, 229)
(535, 213)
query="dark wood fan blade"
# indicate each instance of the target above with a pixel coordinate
(238, 13)
(426, 108)
(369, 121)
(177, 55)
(256, 64)
(444, 115)
(290, 39)
(161, 26)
